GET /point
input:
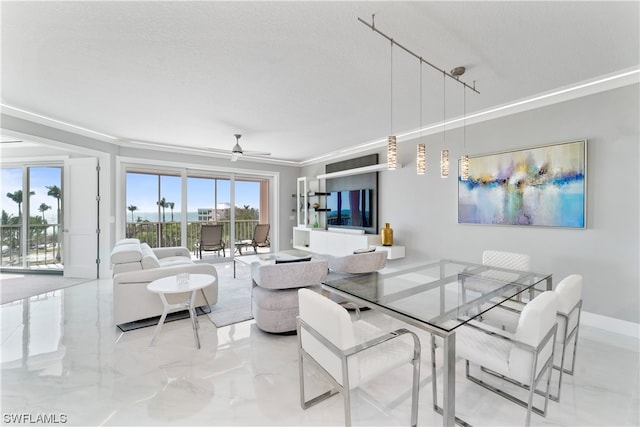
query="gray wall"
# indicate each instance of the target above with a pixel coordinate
(422, 210)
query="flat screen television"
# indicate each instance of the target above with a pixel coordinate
(350, 208)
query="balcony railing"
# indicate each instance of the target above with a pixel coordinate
(43, 245)
(44, 248)
(170, 232)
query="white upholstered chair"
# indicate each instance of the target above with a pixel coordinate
(524, 357)
(569, 292)
(274, 291)
(356, 263)
(499, 260)
(350, 352)
(510, 260)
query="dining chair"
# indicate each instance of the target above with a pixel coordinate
(211, 239)
(348, 352)
(569, 292)
(499, 260)
(523, 357)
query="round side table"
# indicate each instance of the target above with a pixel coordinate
(170, 285)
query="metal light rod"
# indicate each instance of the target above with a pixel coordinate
(373, 27)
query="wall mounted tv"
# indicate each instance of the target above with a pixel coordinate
(350, 208)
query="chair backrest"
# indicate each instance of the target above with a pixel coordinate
(330, 320)
(536, 319)
(211, 234)
(510, 260)
(261, 233)
(359, 263)
(569, 291)
(289, 275)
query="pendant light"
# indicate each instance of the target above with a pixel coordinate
(444, 154)
(421, 159)
(464, 160)
(421, 149)
(392, 146)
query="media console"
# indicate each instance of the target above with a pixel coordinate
(337, 243)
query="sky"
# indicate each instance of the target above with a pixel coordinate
(40, 177)
(142, 191)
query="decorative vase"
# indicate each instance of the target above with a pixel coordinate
(386, 235)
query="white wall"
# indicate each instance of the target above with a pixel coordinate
(422, 210)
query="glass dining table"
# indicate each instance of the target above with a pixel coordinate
(439, 296)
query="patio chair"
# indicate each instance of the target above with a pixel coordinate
(211, 239)
(260, 239)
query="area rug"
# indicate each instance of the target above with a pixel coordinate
(14, 287)
(234, 301)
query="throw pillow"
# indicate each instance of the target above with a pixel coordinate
(365, 250)
(288, 261)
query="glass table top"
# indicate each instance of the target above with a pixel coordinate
(442, 294)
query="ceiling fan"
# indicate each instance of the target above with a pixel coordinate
(237, 150)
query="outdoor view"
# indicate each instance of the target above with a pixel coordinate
(155, 212)
(31, 213)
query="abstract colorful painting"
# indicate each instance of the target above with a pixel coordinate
(544, 186)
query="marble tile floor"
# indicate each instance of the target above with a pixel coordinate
(63, 357)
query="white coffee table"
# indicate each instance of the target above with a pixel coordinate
(169, 285)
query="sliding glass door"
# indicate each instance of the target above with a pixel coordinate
(155, 213)
(154, 208)
(32, 218)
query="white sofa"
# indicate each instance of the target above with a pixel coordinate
(135, 265)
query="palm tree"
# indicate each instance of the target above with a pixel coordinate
(171, 205)
(44, 207)
(163, 204)
(16, 196)
(54, 191)
(132, 209)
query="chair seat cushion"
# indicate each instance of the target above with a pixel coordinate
(380, 358)
(485, 350)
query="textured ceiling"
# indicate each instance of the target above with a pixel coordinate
(297, 79)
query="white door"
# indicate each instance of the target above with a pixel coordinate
(80, 217)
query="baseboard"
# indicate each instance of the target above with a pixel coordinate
(610, 324)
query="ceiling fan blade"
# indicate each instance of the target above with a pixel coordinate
(256, 153)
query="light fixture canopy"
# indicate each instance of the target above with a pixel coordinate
(392, 153)
(421, 159)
